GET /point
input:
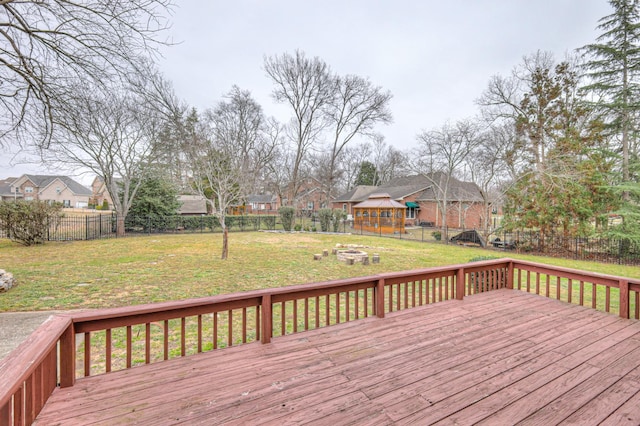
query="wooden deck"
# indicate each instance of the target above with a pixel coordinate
(500, 357)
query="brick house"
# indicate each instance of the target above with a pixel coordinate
(465, 204)
(60, 189)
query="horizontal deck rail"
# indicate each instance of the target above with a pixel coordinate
(71, 346)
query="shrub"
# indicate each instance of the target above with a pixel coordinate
(297, 227)
(338, 216)
(105, 205)
(269, 221)
(28, 222)
(325, 219)
(437, 235)
(286, 216)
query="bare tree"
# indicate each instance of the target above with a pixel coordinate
(45, 46)
(355, 109)
(112, 134)
(389, 161)
(306, 86)
(441, 153)
(233, 149)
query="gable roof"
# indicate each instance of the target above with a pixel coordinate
(192, 204)
(42, 181)
(405, 186)
(380, 200)
(359, 193)
(261, 198)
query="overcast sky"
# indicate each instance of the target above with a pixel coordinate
(436, 57)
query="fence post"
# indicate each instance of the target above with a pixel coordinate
(267, 319)
(624, 298)
(460, 284)
(510, 273)
(379, 298)
(86, 228)
(67, 357)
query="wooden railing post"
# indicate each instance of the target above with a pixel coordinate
(379, 298)
(67, 357)
(510, 272)
(460, 284)
(624, 298)
(267, 319)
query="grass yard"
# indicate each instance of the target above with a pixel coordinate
(119, 272)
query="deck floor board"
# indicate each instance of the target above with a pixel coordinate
(499, 357)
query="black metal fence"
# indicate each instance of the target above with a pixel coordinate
(605, 250)
(98, 226)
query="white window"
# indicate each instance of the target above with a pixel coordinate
(66, 203)
(411, 213)
(28, 198)
(28, 189)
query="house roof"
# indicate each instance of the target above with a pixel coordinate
(192, 204)
(402, 187)
(260, 198)
(359, 193)
(42, 181)
(380, 200)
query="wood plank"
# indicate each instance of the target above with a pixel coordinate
(493, 358)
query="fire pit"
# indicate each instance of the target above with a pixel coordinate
(356, 255)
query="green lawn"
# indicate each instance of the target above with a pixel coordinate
(118, 272)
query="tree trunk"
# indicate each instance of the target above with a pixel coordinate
(119, 225)
(225, 242)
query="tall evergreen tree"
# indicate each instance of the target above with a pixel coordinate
(614, 70)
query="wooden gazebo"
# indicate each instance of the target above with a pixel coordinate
(379, 213)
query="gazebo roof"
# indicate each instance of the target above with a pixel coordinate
(380, 200)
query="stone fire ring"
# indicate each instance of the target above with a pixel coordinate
(356, 255)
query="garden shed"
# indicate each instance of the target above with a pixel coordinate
(379, 213)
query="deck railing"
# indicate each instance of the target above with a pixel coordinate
(71, 346)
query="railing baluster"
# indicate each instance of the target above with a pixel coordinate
(327, 311)
(306, 313)
(107, 344)
(199, 333)
(548, 284)
(183, 337)
(594, 292)
(356, 301)
(230, 328)
(128, 346)
(87, 354)
(165, 338)
(295, 315)
(244, 325)
(283, 319)
(215, 330)
(569, 290)
(366, 303)
(581, 293)
(337, 308)
(607, 302)
(147, 343)
(558, 286)
(537, 283)
(258, 328)
(347, 307)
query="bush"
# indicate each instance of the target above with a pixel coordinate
(437, 235)
(29, 222)
(297, 227)
(269, 221)
(105, 205)
(325, 219)
(338, 216)
(286, 216)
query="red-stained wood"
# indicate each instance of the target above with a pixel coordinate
(5, 413)
(498, 357)
(87, 354)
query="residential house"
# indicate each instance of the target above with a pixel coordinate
(100, 193)
(60, 189)
(311, 197)
(192, 205)
(262, 204)
(465, 206)
(7, 191)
